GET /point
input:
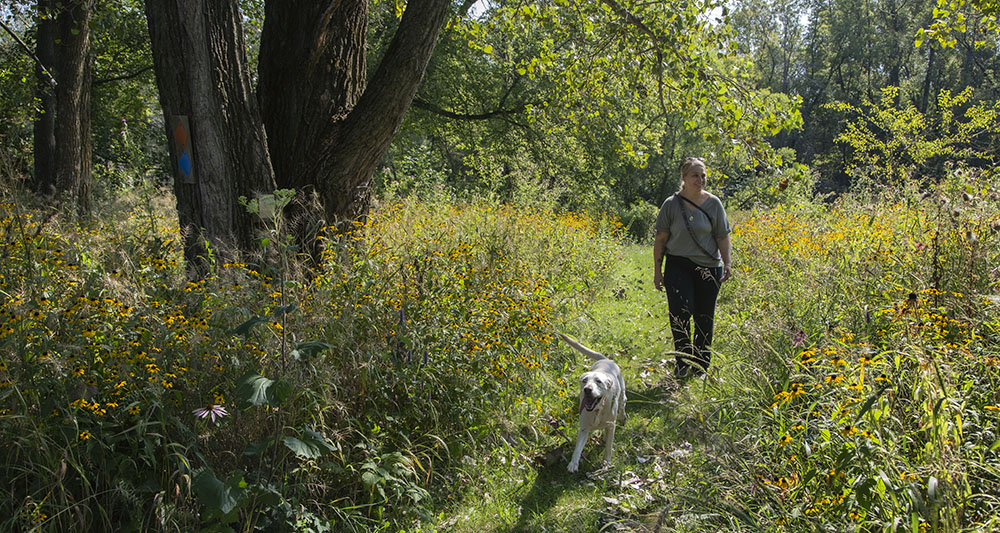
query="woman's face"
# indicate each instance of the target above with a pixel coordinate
(695, 177)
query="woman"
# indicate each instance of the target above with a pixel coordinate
(692, 236)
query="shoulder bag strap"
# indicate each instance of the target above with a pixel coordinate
(700, 208)
(687, 223)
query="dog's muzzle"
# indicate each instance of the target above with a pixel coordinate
(589, 401)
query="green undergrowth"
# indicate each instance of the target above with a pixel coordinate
(854, 386)
(416, 384)
(135, 398)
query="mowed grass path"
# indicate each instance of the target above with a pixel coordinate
(524, 484)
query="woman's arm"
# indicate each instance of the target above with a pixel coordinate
(659, 248)
(726, 251)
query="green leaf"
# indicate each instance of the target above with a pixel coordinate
(257, 448)
(285, 309)
(254, 389)
(871, 400)
(305, 350)
(308, 445)
(245, 327)
(216, 495)
(370, 479)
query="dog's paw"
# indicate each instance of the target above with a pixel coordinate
(573, 467)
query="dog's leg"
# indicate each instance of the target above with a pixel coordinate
(581, 439)
(609, 439)
(622, 398)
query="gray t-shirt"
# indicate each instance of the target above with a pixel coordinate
(706, 229)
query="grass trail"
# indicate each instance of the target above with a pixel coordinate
(525, 487)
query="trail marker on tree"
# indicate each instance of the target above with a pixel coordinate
(180, 141)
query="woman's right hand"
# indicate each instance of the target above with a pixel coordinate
(658, 280)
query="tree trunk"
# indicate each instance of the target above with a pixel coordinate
(62, 140)
(72, 131)
(329, 128)
(312, 72)
(202, 74)
(925, 93)
(44, 127)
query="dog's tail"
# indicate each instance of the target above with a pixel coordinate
(582, 349)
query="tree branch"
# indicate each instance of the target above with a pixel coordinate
(427, 106)
(632, 19)
(52, 80)
(123, 76)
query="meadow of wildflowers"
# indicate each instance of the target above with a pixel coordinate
(867, 332)
(855, 385)
(134, 398)
(413, 381)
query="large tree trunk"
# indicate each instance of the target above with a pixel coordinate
(73, 141)
(202, 73)
(327, 128)
(62, 132)
(312, 72)
(325, 125)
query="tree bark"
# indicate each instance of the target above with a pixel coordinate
(62, 139)
(925, 93)
(312, 72)
(327, 126)
(202, 73)
(72, 94)
(334, 135)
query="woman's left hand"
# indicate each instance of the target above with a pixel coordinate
(727, 272)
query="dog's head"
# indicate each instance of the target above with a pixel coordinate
(594, 388)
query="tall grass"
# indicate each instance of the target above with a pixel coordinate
(414, 382)
(860, 388)
(133, 398)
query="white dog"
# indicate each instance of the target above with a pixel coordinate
(602, 401)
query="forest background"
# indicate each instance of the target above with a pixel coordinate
(347, 323)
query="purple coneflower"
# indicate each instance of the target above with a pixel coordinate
(212, 411)
(799, 338)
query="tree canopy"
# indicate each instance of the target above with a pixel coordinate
(590, 103)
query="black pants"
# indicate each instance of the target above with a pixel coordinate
(691, 293)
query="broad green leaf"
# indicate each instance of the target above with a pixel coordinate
(254, 389)
(308, 445)
(216, 494)
(305, 350)
(245, 327)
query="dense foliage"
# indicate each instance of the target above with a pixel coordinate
(135, 398)
(855, 382)
(409, 379)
